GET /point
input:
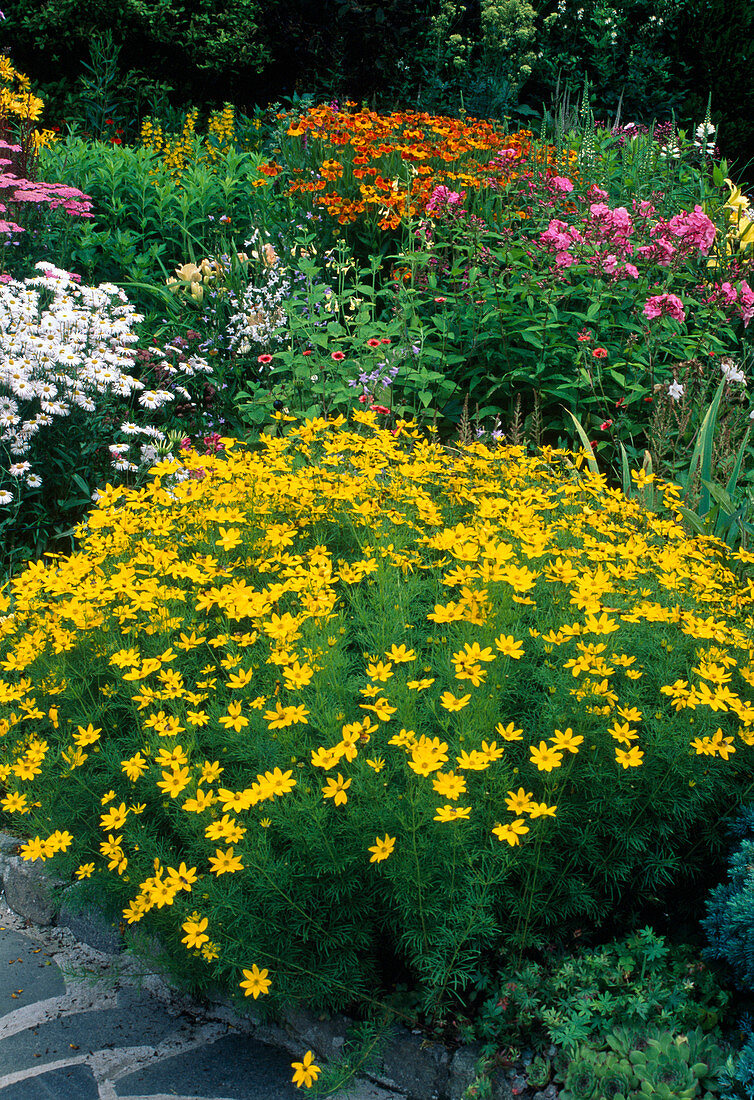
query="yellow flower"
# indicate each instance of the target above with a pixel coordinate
(630, 758)
(509, 646)
(336, 789)
(520, 802)
(281, 717)
(419, 685)
(382, 709)
(449, 785)
(399, 654)
(85, 870)
(305, 1072)
(381, 849)
(450, 702)
(195, 930)
(256, 982)
(452, 813)
(512, 832)
(327, 758)
(544, 757)
(134, 766)
(86, 736)
(509, 732)
(541, 809)
(223, 863)
(565, 740)
(234, 720)
(115, 817)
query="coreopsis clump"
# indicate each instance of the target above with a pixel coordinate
(348, 700)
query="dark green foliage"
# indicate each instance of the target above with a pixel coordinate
(730, 916)
(737, 1081)
(639, 982)
(645, 1064)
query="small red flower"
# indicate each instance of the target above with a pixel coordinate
(384, 340)
(109, 122)
(338, 356)
(600, 353)
(307, 352)
(593, 444)
(441, 300)
(647, 398)
(264, 359)
(116, 141)
(621, 403)
(585, 334)
(605, 425)
(378, 409)
(373, 343)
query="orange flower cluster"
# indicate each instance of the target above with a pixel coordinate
(356, 163)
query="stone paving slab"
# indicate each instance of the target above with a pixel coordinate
(74, 1083)
(79, 1024)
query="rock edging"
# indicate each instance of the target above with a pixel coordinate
(408, 1067)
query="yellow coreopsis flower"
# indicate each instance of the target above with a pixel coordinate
(336, 789)
(306, 1072)
(256, 982)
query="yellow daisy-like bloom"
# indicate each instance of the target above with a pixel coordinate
(511, 832)
(452, 813)
(629, 758)
(381, 849)
(520, 802)
(449, 785)
(256, 982)
(225, 863)
(195, 929)
(451, 702)
(305, 1072)
(545, 758)
(336, 789)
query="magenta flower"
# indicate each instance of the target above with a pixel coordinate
(665, 305)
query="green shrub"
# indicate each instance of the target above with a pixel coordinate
(145, 224)
(348, 701)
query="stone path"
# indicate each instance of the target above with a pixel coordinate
(77, 1024)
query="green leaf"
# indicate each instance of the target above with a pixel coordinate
(590, 459)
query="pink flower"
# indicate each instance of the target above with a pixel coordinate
(264, 359)
(338, 356)
(665, 305)
(605, 425)
(600, 353)
(746, 302)
(561, 184)
(379, 409)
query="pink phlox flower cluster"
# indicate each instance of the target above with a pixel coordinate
(695, 229)
(613, 223)
(665, 305)
(746, 302)
(443, 199)
(560, 185)
(740, 299)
